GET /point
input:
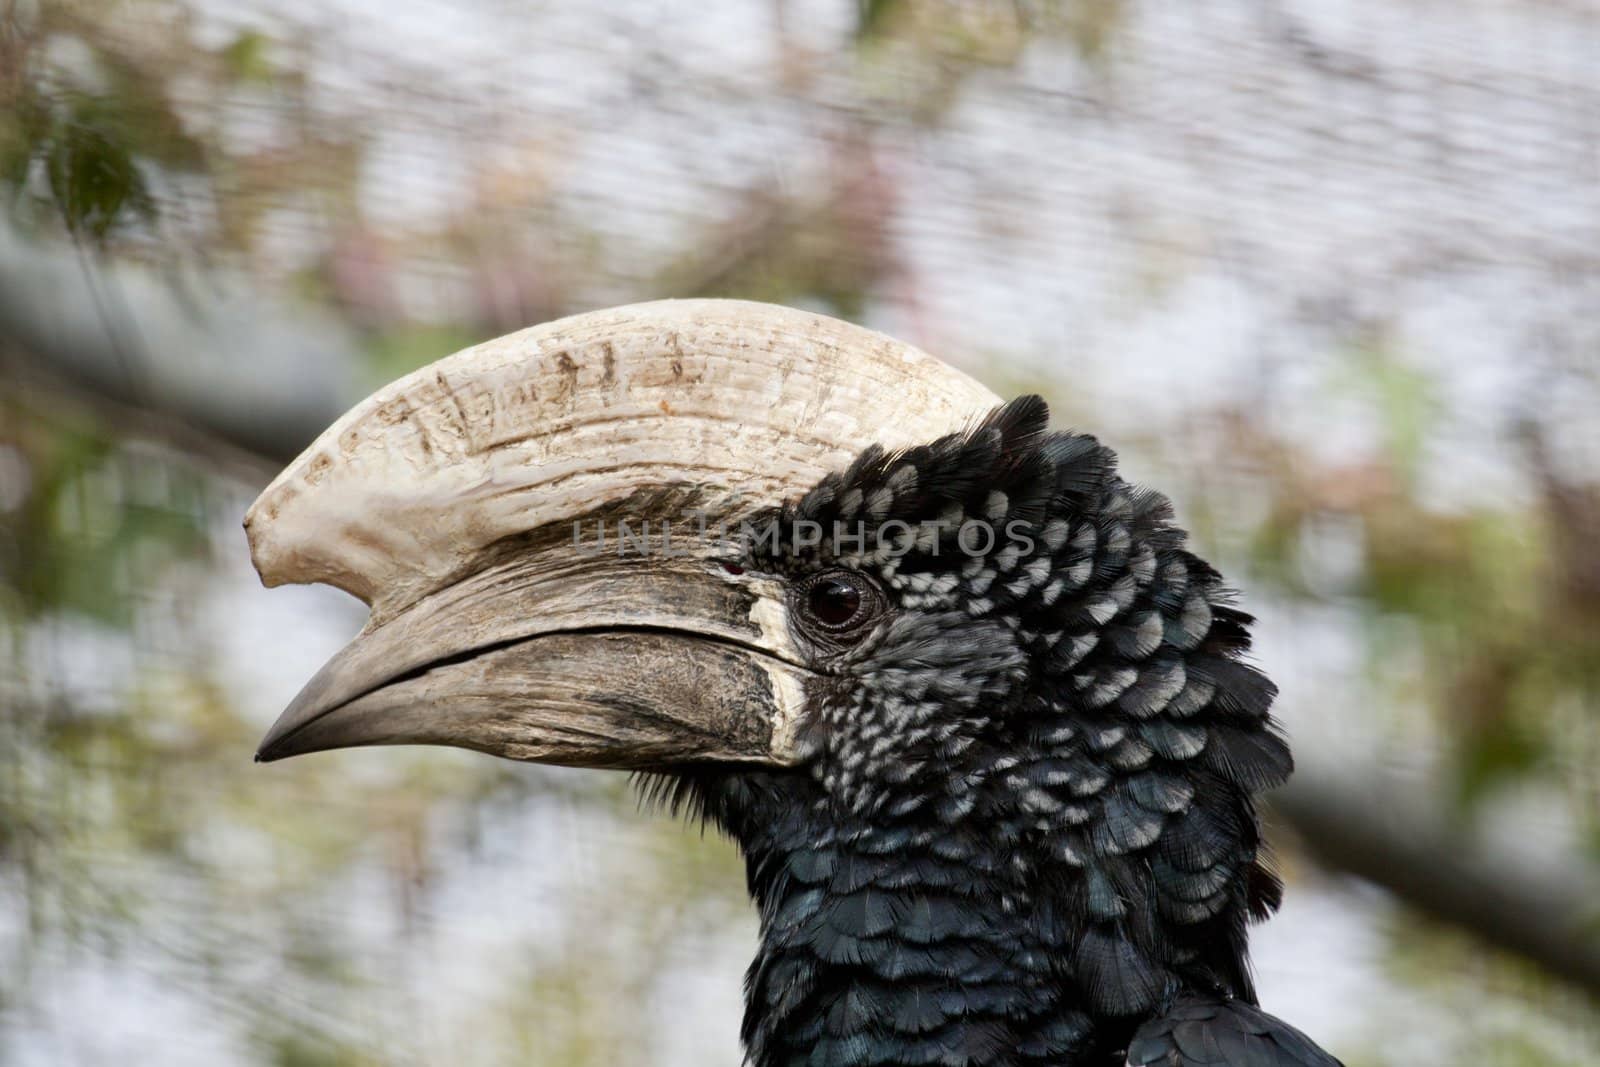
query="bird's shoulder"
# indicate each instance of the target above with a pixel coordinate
(1213, 1031)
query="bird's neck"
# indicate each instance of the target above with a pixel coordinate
(897, 943)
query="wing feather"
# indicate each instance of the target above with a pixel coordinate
(1211, 1032)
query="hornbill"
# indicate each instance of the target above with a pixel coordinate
(979, 722)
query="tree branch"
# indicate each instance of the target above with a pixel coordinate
(203, 349)
(1395, 835)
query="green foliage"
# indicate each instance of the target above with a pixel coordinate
(989, 30)
(22, 133)
(85, 144)
(1490, 597)
(90, 147)
(93, 178)
(246, 57)
(1509, 659)
(873, 16)
(1455, 978)
(76, 547)
(1404, 400)
(295, 1049)
(406, 347)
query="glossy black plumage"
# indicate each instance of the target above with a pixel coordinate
(1023, 829)
(1200, 1032)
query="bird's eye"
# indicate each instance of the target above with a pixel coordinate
(840, 603)
(834, 601)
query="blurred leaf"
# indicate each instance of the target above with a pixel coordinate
(1496, 746)
(1092, 24)
(1405, 400)
(94, 180)
(300, 1049)
(246, 57)
(401, 351)
(872, 16)
(23, 131)
(86, 544)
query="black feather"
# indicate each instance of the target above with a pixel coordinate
(1204, 1032)
(1021, 828)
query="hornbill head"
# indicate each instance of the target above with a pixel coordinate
(554, 532)
(976, 716)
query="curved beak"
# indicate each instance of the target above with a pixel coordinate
(446, 499)
(555, 655)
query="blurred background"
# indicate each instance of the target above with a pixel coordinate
(1327, 271)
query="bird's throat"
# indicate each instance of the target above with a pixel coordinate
(892, 943)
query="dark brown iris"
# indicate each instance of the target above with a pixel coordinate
(835, 601)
